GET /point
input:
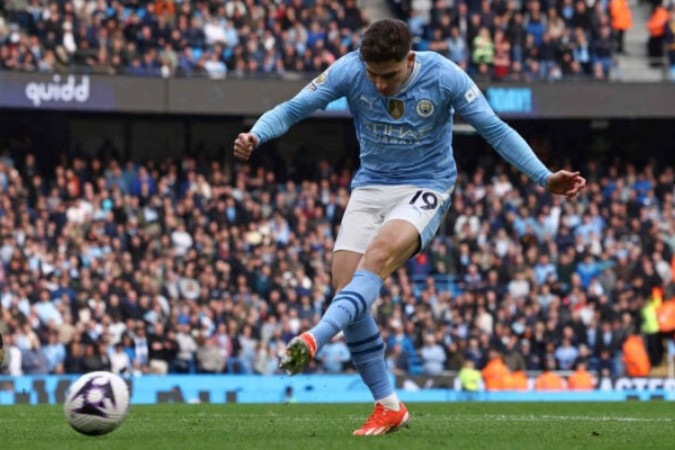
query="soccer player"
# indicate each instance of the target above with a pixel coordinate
(403, 104)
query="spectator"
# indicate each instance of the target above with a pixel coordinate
(603, 54)
(455, 360)
(635, 357)
(650, 329)
(494, 371)
(581, 379)
(622, 21)
(656, 25)
(544, 270)
(512, 357)
(457, 48)
(669, 42)
(397, 361)
(162, 349)
(566, 355)
(73, 361)
(33, 360)
(334, 356)
(93, 360)
(432, 355)
(266, 361)
(55, 353)
(46, 311)
(549, 381)
(209, 359)
(483, 48)
(469, 377)
(13, 357)
(120, 363)
(141, 348)
(187, 347)
(400, 337)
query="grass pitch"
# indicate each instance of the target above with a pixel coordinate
(321, 427)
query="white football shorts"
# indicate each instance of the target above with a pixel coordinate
(370, 207)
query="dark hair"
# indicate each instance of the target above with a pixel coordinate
(386, 40)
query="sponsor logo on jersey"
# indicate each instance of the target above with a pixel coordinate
(425, 108)
(396, 108)
(386, 133)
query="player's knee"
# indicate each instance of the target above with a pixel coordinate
(380, 258)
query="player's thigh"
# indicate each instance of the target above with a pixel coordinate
(396, 241)
(362, 219)
(423, 208)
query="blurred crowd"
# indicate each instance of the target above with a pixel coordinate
(167, 37)
(189, 266)
(518, 40)
(523, 39)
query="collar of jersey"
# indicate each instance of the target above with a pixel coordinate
(404, 87)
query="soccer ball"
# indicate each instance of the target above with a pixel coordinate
(97, 403)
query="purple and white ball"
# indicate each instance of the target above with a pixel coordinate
(97, 403)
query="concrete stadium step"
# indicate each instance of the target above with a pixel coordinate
(634, 65)
(375, 9)
(638, 69)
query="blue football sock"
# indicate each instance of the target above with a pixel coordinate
(348, 306)
(367, 349)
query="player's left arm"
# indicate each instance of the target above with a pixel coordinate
(470, 103)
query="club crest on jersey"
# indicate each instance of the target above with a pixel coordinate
(396, 108)
(425, 108)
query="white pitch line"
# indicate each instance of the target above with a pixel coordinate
(546, 418)
(532, 418)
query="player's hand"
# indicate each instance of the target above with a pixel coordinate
(565, 183)
(244, 145)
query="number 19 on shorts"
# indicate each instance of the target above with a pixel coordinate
(424, 199)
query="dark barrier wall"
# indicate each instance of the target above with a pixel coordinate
(229, 97)
(252, 97)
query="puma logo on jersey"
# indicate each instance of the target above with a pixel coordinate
(368, 100)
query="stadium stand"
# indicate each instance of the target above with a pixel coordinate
(177, 267)
(191, 267)
(570, 39)
(493, 40)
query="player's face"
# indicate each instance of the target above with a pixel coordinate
(389, 76)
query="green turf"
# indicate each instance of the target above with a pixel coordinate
(320, 427)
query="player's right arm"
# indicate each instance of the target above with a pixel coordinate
(330, 85)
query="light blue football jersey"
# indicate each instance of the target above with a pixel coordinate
(406, 138)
